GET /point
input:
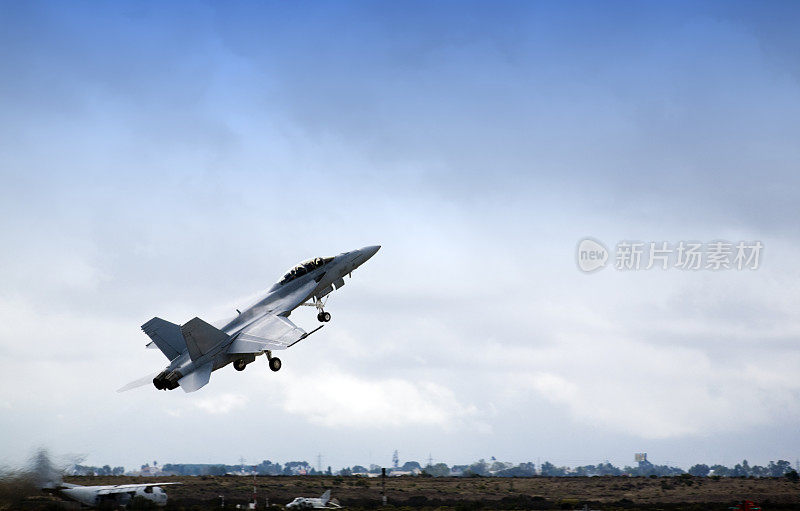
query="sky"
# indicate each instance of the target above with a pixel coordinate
(174, 159)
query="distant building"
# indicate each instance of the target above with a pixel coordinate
(397, 472)
(151, 471)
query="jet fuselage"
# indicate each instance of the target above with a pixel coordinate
(328, 273)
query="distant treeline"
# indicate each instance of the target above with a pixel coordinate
(644, 468)
(83, 470)
(291, 468)
(481, 468)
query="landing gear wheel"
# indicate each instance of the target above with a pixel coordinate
(326, 316)
(320, 317)
(275, 364)
(239, 364)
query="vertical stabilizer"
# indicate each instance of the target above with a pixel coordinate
(326, 497)
(201, 337)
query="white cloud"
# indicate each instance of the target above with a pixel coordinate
(660, 392)
(336, 399)
(222, 404)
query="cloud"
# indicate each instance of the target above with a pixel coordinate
(336, 399)
(222, 404)
(662, 392)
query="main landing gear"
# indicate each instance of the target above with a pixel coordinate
(240, 363)
(274, 362)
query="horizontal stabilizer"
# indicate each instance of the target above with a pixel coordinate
(197, 378)
(144, 380)
(167, 337)
(201, 337)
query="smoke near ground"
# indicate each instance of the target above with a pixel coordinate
(21, 485)
(17, 485)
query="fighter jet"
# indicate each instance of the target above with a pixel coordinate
(196, 348)
(112, 495)
(323, 502)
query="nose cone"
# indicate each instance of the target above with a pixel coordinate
(368, 252)
(362, 254)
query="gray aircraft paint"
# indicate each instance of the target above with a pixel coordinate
(196, 348)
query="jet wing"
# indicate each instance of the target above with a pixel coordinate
(274, 331)
(283, 306)
(268, 333)
(126, 488)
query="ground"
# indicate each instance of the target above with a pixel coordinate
(468, 494)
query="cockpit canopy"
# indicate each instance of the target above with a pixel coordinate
(305, 267)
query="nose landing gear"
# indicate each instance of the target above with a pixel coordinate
(322, 316)
(319, 303)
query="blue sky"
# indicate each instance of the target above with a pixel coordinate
(174, 159)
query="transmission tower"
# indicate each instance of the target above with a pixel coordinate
(396, 459)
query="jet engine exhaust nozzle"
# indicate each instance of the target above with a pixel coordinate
(166, 381)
